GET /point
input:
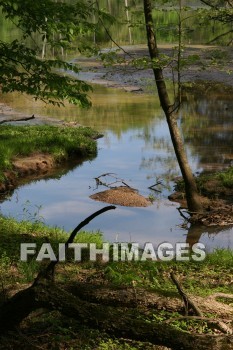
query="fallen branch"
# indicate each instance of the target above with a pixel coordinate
(14, 310)
(119, 322)
(109, 185)
(48, 272)
(182, 214)
(156, 184)
(188, 303)
(17, 119)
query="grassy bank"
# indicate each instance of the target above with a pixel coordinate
(60, 142)
(51, 330)
(214, 184)
(203, 277)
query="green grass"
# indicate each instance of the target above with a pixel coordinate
(54, 331)
(197, 278)
(61, 142)
(13, 233)
(200, 278)
(226, 177)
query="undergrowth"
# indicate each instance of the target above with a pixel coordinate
(224, 178)
(197, 278)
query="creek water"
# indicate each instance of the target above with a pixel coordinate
(136, 146)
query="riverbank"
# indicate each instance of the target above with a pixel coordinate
(203, 63)
(141, 287)
(29, 152)
(216, 193)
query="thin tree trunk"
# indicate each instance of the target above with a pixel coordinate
(192, 196)
(128, 22)
(44, 44)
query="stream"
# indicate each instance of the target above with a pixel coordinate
(136, 146)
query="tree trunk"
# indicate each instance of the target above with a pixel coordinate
(192, 196)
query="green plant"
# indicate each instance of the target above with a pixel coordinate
(112, 344)
(151, 198)
(5, 262)
(32, 213)
(28, 270)
(226, 177)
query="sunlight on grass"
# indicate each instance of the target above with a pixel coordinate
(61, 142)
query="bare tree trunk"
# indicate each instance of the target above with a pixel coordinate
(128, 21)
(192, 196)
(44, 44)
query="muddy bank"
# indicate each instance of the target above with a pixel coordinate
(130, 79)
(34, 152)
(35, 167)
(217, 200)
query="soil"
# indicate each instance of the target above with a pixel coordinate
(27, 167)
(121, 195)
(35, 167)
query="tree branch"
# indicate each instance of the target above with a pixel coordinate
(219, 36)
(48, 272)
(187, 301)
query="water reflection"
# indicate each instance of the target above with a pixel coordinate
(207, 126)
(137, 147)
(196, 233)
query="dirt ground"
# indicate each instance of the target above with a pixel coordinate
(122, 196)
(28, 168)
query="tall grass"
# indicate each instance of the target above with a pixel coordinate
(226, 177)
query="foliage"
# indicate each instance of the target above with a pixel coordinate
(226, 177)
(221, 11)
(61, 142)
(58, 24)
(21, 70)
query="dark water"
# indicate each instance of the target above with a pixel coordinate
(136, 146)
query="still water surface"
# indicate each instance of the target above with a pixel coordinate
(136, 146)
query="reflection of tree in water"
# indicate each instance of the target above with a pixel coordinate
(160, 158)
(195, 232)
(207, 127)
